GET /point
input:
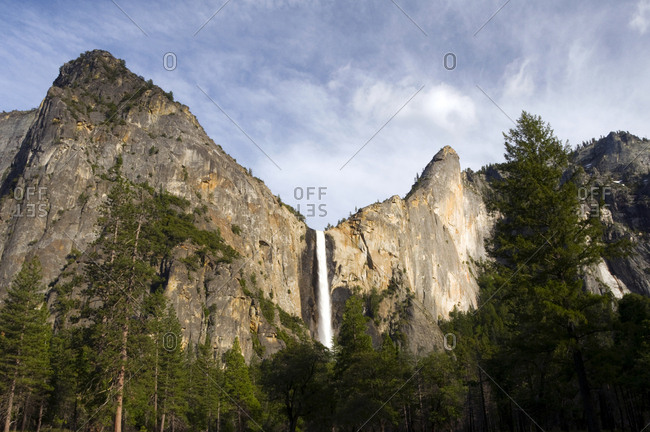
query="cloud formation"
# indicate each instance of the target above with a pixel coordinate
(313, 81)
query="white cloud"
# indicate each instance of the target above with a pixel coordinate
(641, 19)
(518, 80)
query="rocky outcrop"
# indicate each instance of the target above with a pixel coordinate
(13, 128)
(619, 164)
(423, 245)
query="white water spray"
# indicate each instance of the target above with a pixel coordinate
(324, 300)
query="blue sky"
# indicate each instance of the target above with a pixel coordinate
(311, 82)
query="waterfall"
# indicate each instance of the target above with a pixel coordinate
(324, 300)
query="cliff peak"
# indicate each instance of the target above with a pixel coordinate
(95, 65)
(443, 169)
(619, 152)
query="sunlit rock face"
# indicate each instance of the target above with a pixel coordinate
(423, 245)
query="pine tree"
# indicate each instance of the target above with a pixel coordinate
(171, 377)
(239, 387)
(358, 369)
(206, 388)
(353, 339)
(541, 246)
(119, 276)
(25, 340)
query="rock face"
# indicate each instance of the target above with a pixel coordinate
(98, 112)
(413, 258)
(422, 246)
(620, 164)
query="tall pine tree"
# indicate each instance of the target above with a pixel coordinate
(541, 246)
(25, 341)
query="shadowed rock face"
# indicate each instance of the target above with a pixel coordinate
(620, 163)
(416, 253)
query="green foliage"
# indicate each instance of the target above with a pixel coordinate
(25, 337)
(235, 229)
(267, 307)
(297, 377)
(353, 338)
(257, 345)
(292, 322)
(535, 322)
(204, 389)
(373, 300)
(239, 387)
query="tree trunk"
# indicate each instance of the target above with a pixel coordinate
(483, 408)
(155, 392)
(587, 403)
(422, 421)
(162, 422)
(219, 415)
(10, 402)
(120, 378)
(40, 417)
(125, 337)
(23, 423)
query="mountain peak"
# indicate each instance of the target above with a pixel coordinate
(95, 65)
(619, 152)
(446, 157)
(442, 171)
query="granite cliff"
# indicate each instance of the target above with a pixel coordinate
(413, 258)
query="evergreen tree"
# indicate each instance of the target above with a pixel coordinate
(297, 376)
(239, 387)
(440, 391)
(119, 279)
(366, 379)
(541, 246)
(171, 382)
(206, 389)
(353, 339)
(25, 342)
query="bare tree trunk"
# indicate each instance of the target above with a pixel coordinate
(155, 392)
(587, 403)
(120, 378)
(162, 422)
(125, 337)
(23, 423)
(483, 409)
(422, 421)
(10, 402)
(219, 415)
(40, 416)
